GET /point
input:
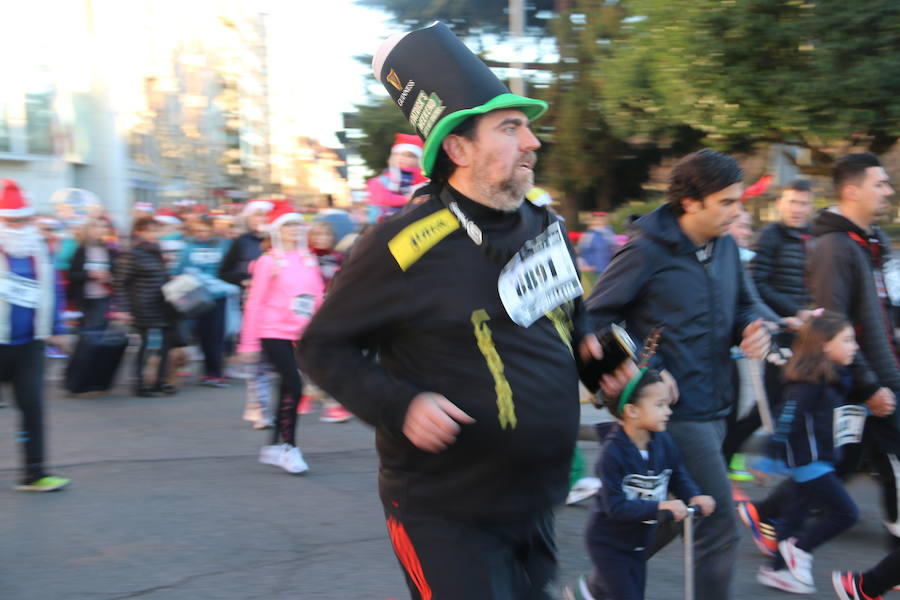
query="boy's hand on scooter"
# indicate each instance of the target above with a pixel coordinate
(707, 504)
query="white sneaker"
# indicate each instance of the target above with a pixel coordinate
(263, 423)
(270, 455)
(252, 414)
(291, 460)
(583, 489)
(783, 580)
(798, 561)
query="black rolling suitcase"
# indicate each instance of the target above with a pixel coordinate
(95, 361)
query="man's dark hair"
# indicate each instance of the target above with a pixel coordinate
(444, 167)
(700, 174)
(851, 169)
(799, 185)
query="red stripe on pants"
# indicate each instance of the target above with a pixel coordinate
(403, 547)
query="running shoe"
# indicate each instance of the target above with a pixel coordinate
(737, 469)
(335, 414)
(583, 489)
(252, 412)
(798, 561)
(783, 580)
(215, 382)
(305, 407)
(763, 533)
(263, 423)
(54, 352)
(285, 456)
(583, 592)
(848, 586)
(44, 484)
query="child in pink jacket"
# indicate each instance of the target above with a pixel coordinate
(285, 290)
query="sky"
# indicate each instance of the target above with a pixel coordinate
(313, 74)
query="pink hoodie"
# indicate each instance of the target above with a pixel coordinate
(285, 291)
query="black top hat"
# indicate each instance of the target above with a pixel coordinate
(438, 83)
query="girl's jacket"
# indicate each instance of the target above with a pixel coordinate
(285, 290)
(805, 431)
(624, 512)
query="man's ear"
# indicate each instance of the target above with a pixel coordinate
(457, 150)
(691, 206)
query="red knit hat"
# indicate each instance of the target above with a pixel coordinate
(12, 202)
(403, 142)
(281, 213)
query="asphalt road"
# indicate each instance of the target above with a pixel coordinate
(169, 502)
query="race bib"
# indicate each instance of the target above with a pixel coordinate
(540, 277)
(20, 291)
(303, 305)
(849, 422)
(647, 487)
(205, 256)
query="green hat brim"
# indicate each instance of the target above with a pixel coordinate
(532, 108)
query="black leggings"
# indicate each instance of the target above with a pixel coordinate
(142, 354)
(22, 365)
(883, 576)
(281, 355)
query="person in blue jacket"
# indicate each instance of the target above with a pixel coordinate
(31, 301)
(202, 255)
(814, 424)
(639, 466)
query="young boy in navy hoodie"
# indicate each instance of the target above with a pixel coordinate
(639, 465)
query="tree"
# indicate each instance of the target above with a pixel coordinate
(378, 119)
(817, 73)
(586, 160)
(466, 17)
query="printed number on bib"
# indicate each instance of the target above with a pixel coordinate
(647, 487)
(303, 305)
(20, 291)
(540, 277)
(849, 422)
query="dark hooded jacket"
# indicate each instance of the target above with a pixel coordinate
(845, 275)
(657, 280)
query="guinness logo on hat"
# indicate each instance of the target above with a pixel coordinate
(438, 83)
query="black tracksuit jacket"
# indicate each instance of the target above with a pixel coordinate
(422, 297)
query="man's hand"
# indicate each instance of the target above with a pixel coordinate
(676, 507)
(793, 323)
(757, 341)
(61, 342)
(882, 402)
(613, 383)
(671, 384)
(707, 504)
(590, 348)
(432, 422)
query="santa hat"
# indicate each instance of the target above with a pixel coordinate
(256, 206)
(403, 142)
(167, 217)
(12, 201)
(281, 213)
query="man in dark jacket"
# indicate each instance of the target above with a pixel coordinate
(846, 275)
(681, 274)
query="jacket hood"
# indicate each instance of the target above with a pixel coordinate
(830, 221)
(662, 226)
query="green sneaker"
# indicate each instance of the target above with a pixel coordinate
(44, 484)
(737, 469)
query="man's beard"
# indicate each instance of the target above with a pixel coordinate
(508, 194)
(20, 242)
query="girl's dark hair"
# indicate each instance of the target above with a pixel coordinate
(143, 224)
(808, 362)
(699, 175)
(648, 377)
